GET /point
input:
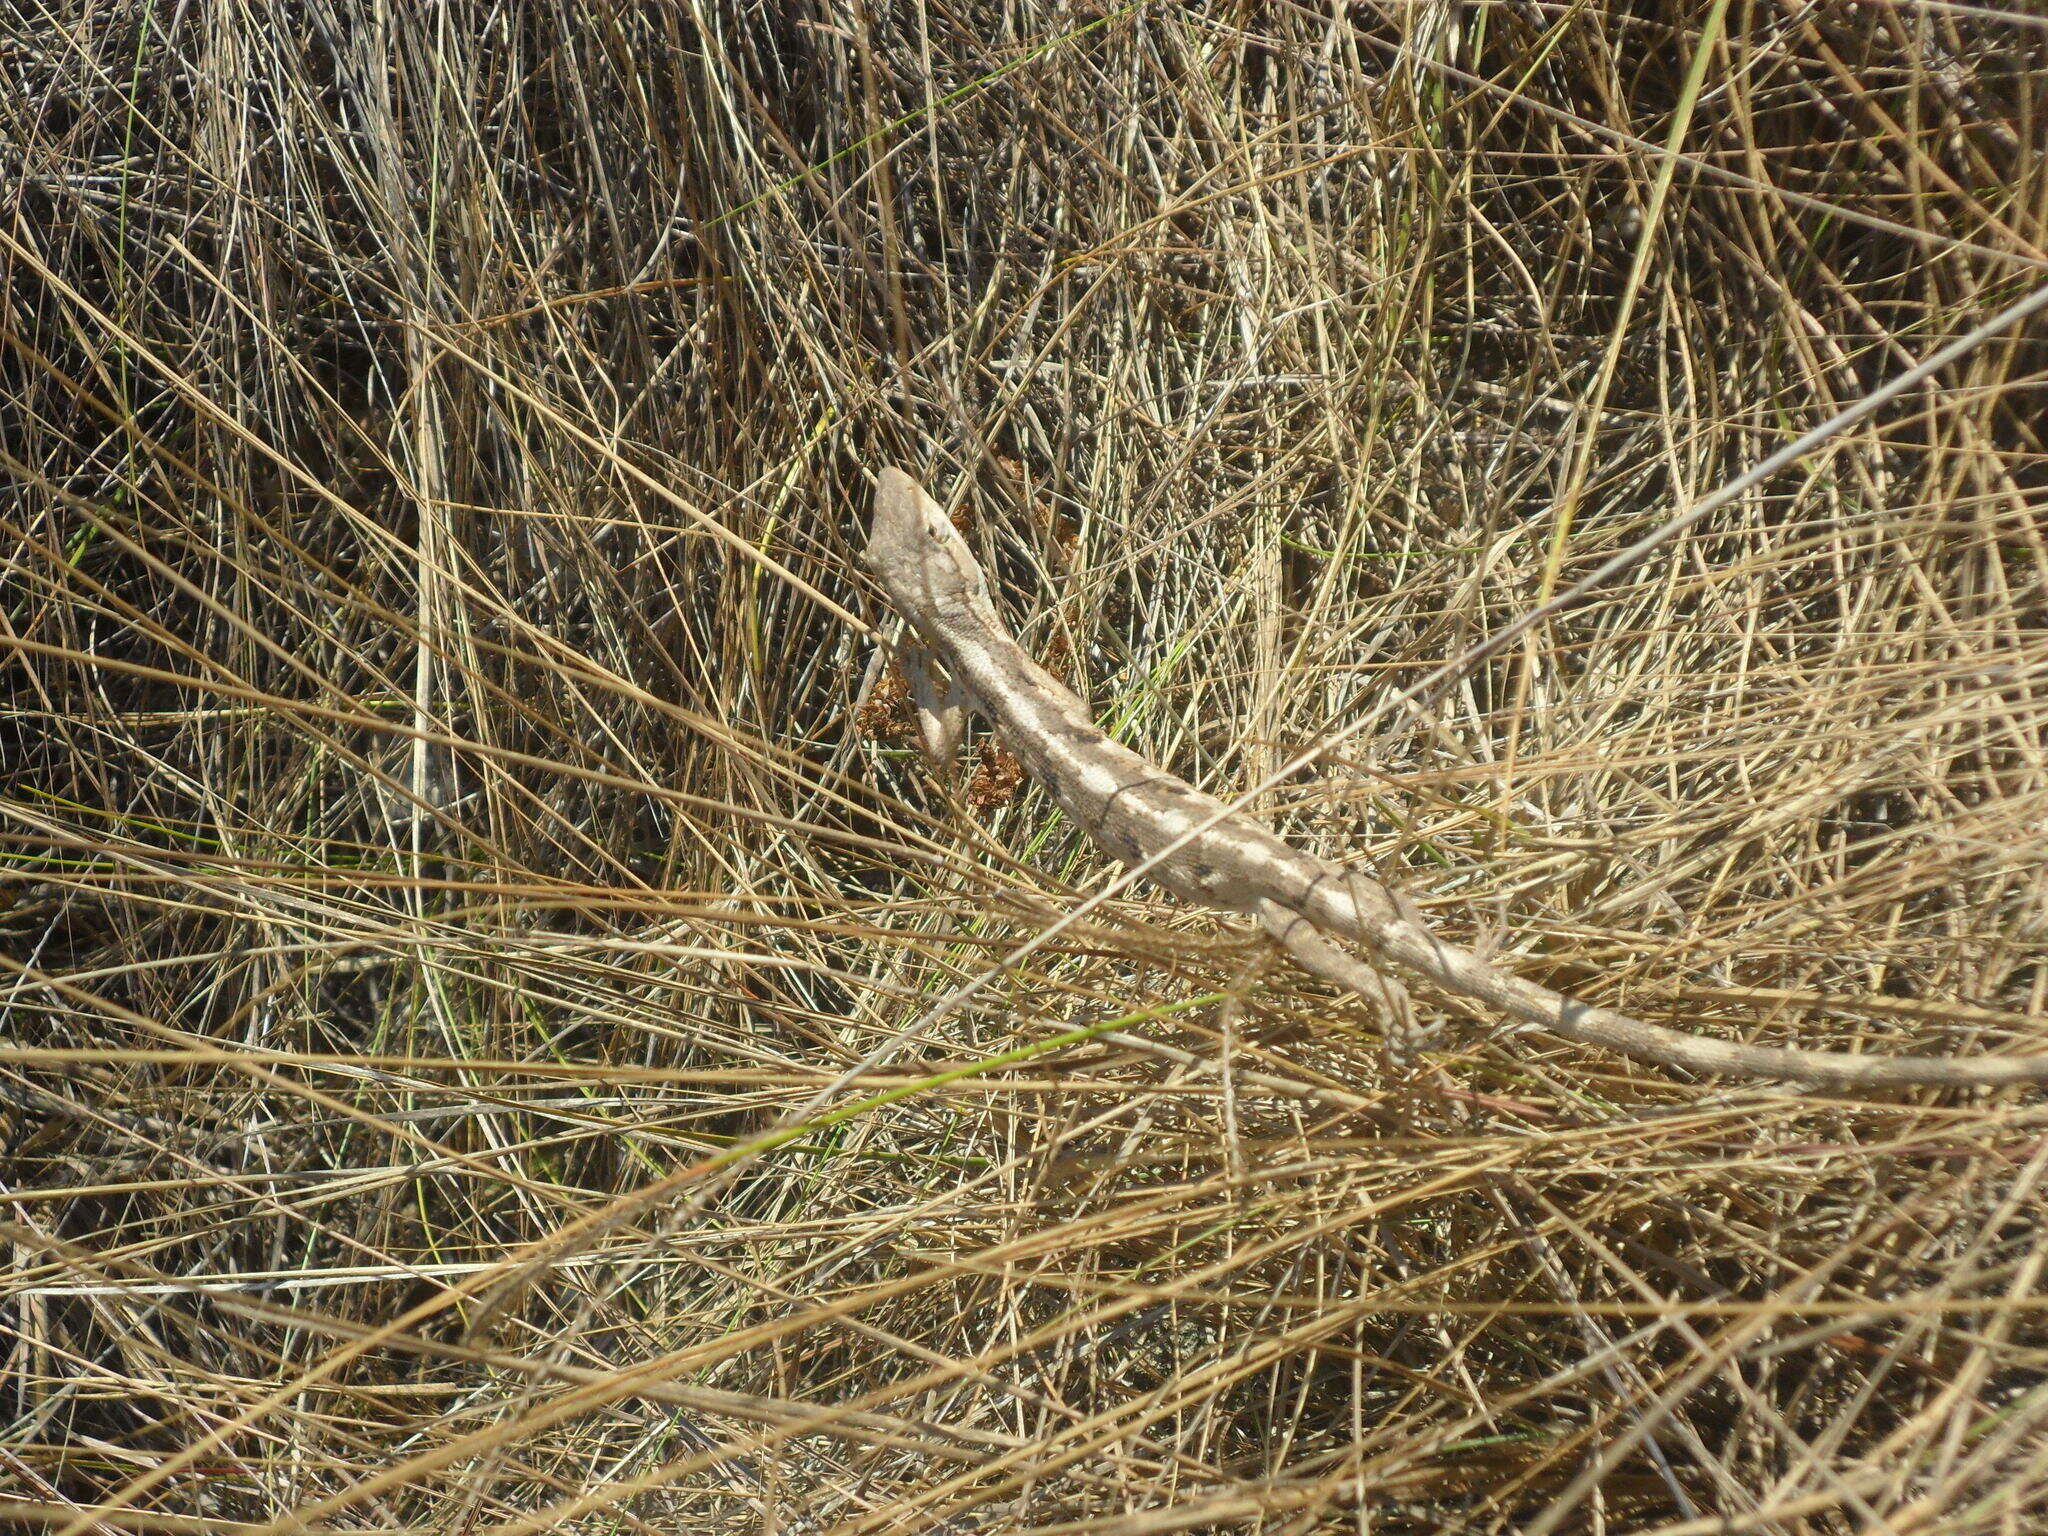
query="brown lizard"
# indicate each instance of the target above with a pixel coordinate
(1202, 851)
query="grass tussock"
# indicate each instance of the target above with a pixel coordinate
(483, 1048)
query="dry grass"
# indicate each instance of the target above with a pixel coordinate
(474, 1056)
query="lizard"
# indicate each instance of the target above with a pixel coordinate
(1203, 852)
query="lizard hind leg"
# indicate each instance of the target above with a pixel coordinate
(1384, 994)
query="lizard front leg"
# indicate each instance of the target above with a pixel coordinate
(941, 718)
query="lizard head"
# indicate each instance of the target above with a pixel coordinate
(916, 551)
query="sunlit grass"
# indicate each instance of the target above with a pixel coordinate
(445, 875)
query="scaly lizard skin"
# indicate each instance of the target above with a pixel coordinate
(1221, 858)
